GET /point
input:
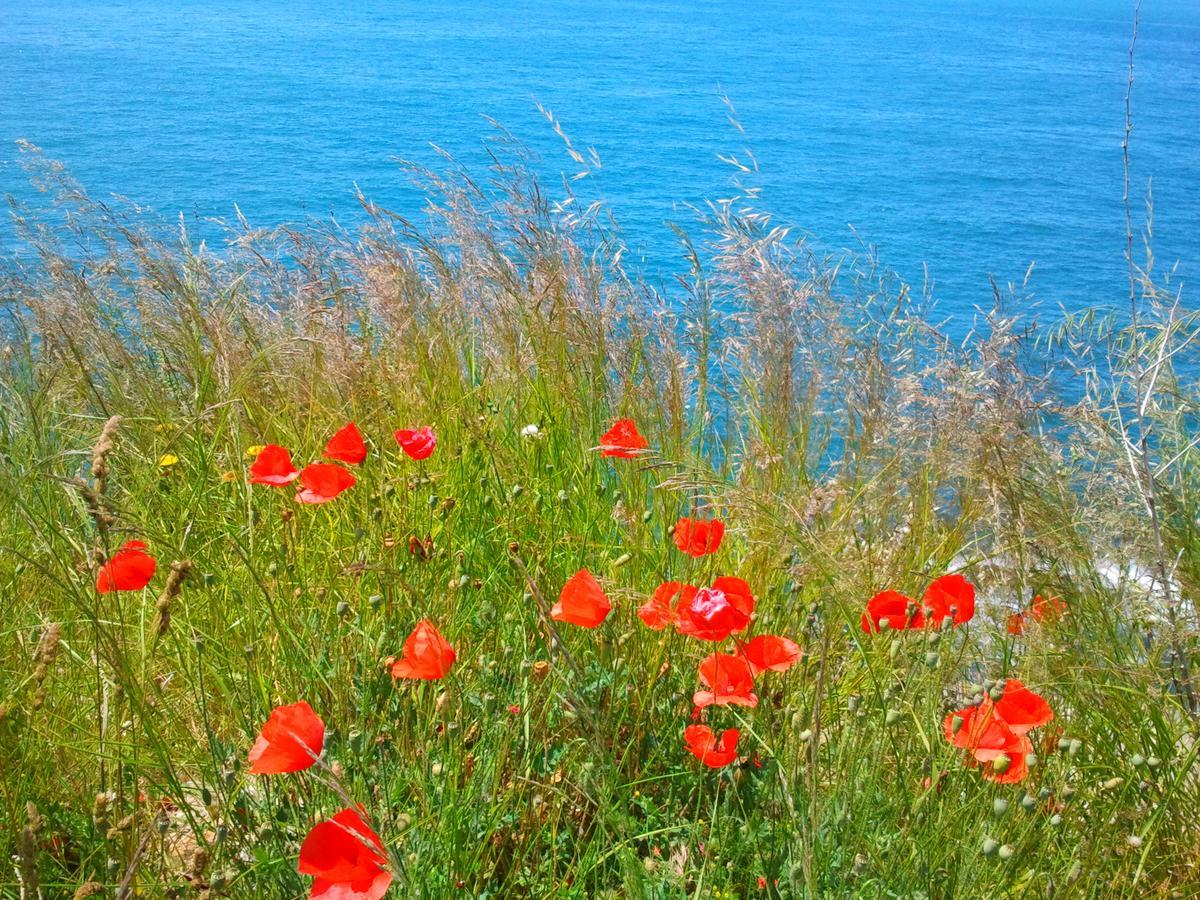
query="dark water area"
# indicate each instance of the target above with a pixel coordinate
(971, 138)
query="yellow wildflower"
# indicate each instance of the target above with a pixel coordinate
(167, 460)
(253, 450)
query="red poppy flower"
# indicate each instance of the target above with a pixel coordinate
(346, 859)
(321, 482)
(1021, 708)
(418, 443)
(770, 652)
(703, 744)
(697, 537)
(898, 610)
(622, 440)
(950, 595)
(290, 741)
(347, 446)
(273, 466)
(657, 612)
(582, 601)
(129, 569)
(990, 730)
(729, 679)
(712, 614)
(427, 655)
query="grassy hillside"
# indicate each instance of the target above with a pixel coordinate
(808, 402)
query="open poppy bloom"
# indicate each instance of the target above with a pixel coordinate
(427, 655)
(273, 465)
(582, 601)
(658, 612)
(129, 569)
(729, 679)
(713, 613)
(770, 653)
(345, 858)
(418, 443)
(1041, 610)
(697, 537)
(347, 445)
(949, 596)
(321, 482)
(703, 744)
(996, 733)
(622, 440)
(290, 741)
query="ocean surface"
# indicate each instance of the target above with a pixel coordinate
(971, 137)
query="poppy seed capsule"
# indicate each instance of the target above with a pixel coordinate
(375, 601)
(343, 608)
(1001, 764)
(932, 660)
(1153, 762)
(1028, 802)
(1075, 746)
(1138, 760)
(1056, 820)
(892, 716)
(1031, 760)
(1006, 851)
(989, 847)
(999, 807)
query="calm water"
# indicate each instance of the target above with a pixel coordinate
(973, 136)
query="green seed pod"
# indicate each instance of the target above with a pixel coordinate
(1075, 746)
(989, 847)
(1031, 760)
(896, 648)
(884, 624)
(1063, 745)
(622, 559)
(1138, 760)
(1001, 764)
(999, 807)
(1007, 851)
(1067, 792)
(343, 608)
(932, 660)
(646, 516)
(1153, 762)
(1028, 802)
(375, 601)
(933, 637)
(996, 693)
(892, 716)
(956, 724)
(806, 735)
(1056, 820)
(1044, 793)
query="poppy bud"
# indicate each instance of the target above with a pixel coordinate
(895, 649)
(999, 807)
(647, 515)
(1112, 784)
(1006, 851)
(1001, 764)
(956, 724)
(514, 548)
(884, 625)
(989, 847)
(463, 581)
(622, 559)
(996, 693)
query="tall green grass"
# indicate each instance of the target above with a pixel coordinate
(809, 400)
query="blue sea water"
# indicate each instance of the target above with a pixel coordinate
(974, 137)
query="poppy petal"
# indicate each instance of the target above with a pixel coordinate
(622, 440)
(129, 569)
(770, 652)
(582, 601)
(347, 445)
(273, 466)
(290, 741)
(321, 482)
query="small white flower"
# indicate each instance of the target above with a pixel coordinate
(531, 431)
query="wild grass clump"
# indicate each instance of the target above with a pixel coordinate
(809, 402)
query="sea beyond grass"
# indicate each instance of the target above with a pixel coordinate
(809, 403)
